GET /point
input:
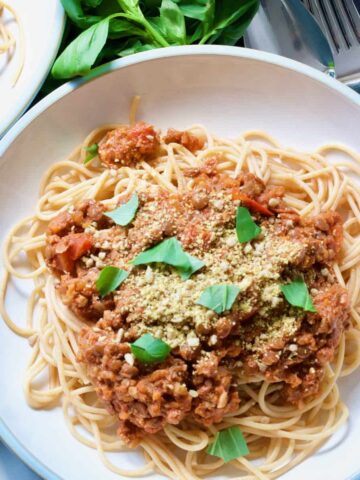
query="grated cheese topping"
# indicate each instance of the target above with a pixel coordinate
(162, 304)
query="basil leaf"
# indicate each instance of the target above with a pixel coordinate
(226, 13)
(81, 54)
(110, 279)
(92, 3)
(197, 34)
(179, 22)
(73, 9)
(219, 297)
(196, 10)
(151, 4)
(297, 294)
(170, 252)
(134, 46)
(75, 12)
(229, 444)
(126, 212)
(173, 22)
(148, 349)
(108, 7)
(157, 23)
(232, 34)
(246, 228)
(92, 152)
(128, 4)
(120, 28)
(193, 265)
(209, 15)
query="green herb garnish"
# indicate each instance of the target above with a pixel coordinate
(110, 279)
(148, 349)
(229, 444)
(297, 294)
(246, 228)
(170, 252)
(126, 212)
(113, 28)
(219, 297)
(92, 151)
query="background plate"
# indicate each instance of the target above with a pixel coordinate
(41, 19)
(229, 90)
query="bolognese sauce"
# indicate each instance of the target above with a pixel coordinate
(261, 337)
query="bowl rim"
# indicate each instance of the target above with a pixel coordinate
(188, 50)
(6, 435)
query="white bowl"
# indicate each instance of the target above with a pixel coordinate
(229, 90)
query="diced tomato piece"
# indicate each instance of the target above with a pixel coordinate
(250, 203)
(79, 243)
(70, 249)
(64, 263)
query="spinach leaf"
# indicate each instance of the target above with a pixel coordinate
(126, 212)
(229, 444)
(219, 297)
(297, 294)
(81, 54)
(148, 349)
(173, 22)
(110, 279)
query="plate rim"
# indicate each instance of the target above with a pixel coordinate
(37, 80)
(6, 435)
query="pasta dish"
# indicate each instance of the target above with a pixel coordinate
(195, 297)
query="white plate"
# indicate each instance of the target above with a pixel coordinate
(43, 23)
(228, 89)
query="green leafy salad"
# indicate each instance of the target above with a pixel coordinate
(102, 30)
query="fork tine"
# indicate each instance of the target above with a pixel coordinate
(322, 17)
(354, 16)
(313, 8)
(332, 17)
(345, 23)
(340, 22)
(307, 5)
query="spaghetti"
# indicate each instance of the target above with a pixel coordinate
(9, 42)
(279, 436)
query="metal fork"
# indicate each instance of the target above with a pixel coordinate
(340, 21)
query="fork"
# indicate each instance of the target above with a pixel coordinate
(340, 21)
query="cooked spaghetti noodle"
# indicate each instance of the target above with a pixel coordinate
(279, 436)
(9, 42)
